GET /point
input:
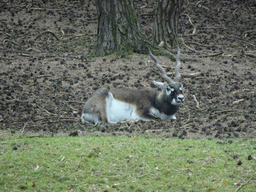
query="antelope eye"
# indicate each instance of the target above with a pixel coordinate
(168, 89)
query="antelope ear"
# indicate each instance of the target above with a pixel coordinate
(160, 85)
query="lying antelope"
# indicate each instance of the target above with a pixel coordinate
(125, 104)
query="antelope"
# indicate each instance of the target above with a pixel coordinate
(126, 104)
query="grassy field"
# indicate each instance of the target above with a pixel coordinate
(126, 164)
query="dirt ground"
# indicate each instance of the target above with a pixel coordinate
(46, 77)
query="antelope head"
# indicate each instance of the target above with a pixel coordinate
(171, 89)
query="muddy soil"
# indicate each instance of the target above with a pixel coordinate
(46, 77)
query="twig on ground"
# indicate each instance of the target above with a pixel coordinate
(50, 32)
(203, 54)
(228, 111)
(192, 74)
(47, 111)
(23, 129)
(214, 54)
(25, 55)
(238, 101)
(188, 46)
(189, 19)
(199, 44)
(7, 40)
(62, 159)
(243, 184)
(186, 75)
(197, 103)
(197, 3)
(43, 9)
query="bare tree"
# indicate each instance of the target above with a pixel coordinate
(166, 21)
(118, 28)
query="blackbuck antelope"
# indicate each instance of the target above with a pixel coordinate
(125, 104)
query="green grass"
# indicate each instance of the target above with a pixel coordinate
(126, 164)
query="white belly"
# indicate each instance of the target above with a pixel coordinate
(118, 111)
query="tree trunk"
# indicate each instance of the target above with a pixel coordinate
(118, 28)
(166, 21)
